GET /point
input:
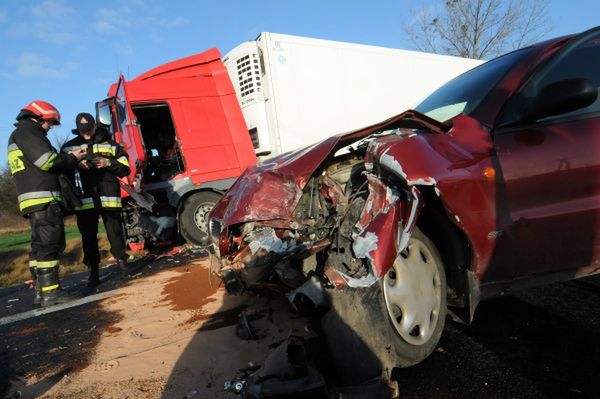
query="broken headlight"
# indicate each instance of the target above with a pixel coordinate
(214, 229)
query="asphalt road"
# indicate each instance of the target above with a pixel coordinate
(539, 343)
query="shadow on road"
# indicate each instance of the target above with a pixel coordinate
(48, 347)
(540, 343)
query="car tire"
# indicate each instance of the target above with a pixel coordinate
(193, 218)
(413, 298)
(359, 319)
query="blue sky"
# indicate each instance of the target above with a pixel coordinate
(69, 52)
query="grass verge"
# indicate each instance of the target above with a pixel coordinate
(14, 254)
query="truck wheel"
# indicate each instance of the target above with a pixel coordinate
(414, 299)
(193, 219)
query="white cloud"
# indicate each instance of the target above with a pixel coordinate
(173, 23)
(33, 65)
(52, 9)
(123, 49)
(51, 21)
(111, 21)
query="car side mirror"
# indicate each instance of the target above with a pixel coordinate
(559, 98)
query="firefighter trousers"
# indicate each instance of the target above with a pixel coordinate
(87, 222)
(47, 244)
(47, 236)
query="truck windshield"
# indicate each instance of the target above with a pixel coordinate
(464, 93)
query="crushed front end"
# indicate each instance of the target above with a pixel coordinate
(351, 215)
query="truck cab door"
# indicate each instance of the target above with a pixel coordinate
(127, 132)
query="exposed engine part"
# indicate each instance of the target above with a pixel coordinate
(341, 172)
(341, 256)
(131, 217)
(141, 225)
(161, 227)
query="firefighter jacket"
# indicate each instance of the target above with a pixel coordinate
(99, 187)
(35, 166)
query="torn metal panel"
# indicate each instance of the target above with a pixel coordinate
(272, 189)
(381, 198)
(377, 244)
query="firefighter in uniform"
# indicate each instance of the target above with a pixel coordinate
(97, 179)
(35, 166)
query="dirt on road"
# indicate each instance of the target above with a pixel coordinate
(169, 335)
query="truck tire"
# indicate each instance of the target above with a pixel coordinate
(193, 218)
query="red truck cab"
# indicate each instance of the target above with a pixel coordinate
(187, 142)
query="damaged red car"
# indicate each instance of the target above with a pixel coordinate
(492, 183)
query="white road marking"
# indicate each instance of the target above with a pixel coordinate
(42, 311)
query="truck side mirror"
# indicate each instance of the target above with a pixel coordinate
(103, 112)
(559, 98)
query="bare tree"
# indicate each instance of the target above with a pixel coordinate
(8, 193)
(58, 138)
(478, 28)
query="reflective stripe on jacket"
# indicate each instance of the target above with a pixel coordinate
(100, 188)
(35, 166)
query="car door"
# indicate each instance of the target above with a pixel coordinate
(551, 171)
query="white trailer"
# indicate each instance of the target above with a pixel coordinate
(295, 91)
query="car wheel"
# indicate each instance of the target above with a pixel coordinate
(396, 322)
(193, 219)
(414, 296)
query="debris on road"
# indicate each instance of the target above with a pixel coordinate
(244, 329)
(286, 372)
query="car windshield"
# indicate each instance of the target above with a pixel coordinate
(464, 93)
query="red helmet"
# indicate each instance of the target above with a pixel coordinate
(43, 110)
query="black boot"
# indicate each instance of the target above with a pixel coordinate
(37, 293)
(123, 269)
(49, 284)
(94, 278)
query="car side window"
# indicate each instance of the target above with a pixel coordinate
(582, 62)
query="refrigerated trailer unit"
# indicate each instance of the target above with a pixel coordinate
(193, 125)
(294, 90)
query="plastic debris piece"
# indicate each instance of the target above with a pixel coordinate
(309, 297)
(191, 394)
(235, 386)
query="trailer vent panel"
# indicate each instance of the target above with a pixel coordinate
(248, 75)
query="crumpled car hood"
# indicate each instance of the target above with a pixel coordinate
(271, 190)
